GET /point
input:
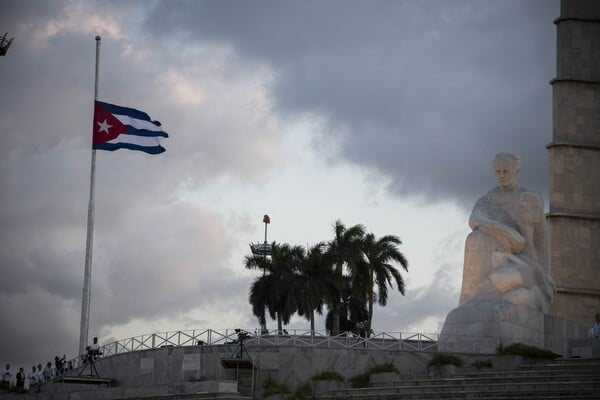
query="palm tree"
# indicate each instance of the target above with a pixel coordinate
(277, 289)
(352, 309)
(377, 268)
(316, 283)
(344, 250)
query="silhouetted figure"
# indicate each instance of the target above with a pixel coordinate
(21, 378)
(59, 364)
(595, 331)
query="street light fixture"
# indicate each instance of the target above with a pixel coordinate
(262, 249)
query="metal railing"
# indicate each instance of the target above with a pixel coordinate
(254, 340)
(302, 338)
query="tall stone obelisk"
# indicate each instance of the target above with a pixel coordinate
(574, 216)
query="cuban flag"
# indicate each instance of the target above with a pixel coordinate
(117, 127)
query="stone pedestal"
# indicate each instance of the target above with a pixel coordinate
(481, 327)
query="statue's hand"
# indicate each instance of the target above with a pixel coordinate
(508, 239)
(517, 241)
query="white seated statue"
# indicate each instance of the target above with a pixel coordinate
(506, 288)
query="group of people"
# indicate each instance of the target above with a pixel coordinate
(40, 374)
(37, 375)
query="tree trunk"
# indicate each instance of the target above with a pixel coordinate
(370, 316)
(279, 324)
(336, 307)
(335, 330)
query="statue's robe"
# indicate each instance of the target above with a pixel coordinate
(506, 285)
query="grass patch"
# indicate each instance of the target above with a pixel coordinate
(380, 368)
(360, 380)
(481, 364)
(302, 392)
(441, 359)
(520, 349)
(327, 376)
(271, 386)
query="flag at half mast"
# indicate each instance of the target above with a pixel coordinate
(117, 127)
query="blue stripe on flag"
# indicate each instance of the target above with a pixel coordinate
(129, 146)
(132, 112)
(144, 132)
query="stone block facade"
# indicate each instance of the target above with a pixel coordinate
(574, 154)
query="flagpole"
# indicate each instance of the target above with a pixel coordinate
(87, 277)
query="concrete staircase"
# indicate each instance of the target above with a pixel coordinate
(569, 379)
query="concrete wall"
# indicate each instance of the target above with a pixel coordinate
(291, 364)
(560, 332)
(181, 369)
(190, 369)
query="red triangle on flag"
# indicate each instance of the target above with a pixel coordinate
(106, 126)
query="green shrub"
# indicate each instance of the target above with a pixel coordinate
(481, 364)
(302, 392)
(271, 386)
(441, 359)
(520, 349)
(379, 368)
(327, 376)
(360, 380)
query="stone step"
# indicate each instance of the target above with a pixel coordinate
(533, 372)
(588, 377)
(192, 396)
(472, 390)
(466, 396)
(543, 386)
(558, 367)
(369, 394)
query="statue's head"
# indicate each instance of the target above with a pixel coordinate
(506, 168)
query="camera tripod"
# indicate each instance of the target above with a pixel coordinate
(89, 361)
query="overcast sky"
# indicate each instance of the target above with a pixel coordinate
(384, 113)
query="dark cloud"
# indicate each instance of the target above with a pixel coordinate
(37, 326)
(154, 255)
(425, 92)
(421, 93)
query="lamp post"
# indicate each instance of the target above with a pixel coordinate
(262, 249)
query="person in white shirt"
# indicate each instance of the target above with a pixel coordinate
(40, 374)
(93, 350)
(6, 376)
(32, 377)
(94, 346)
(47, 373)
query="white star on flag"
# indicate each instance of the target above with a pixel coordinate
(104, 126)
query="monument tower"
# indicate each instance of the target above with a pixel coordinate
(574, 153)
